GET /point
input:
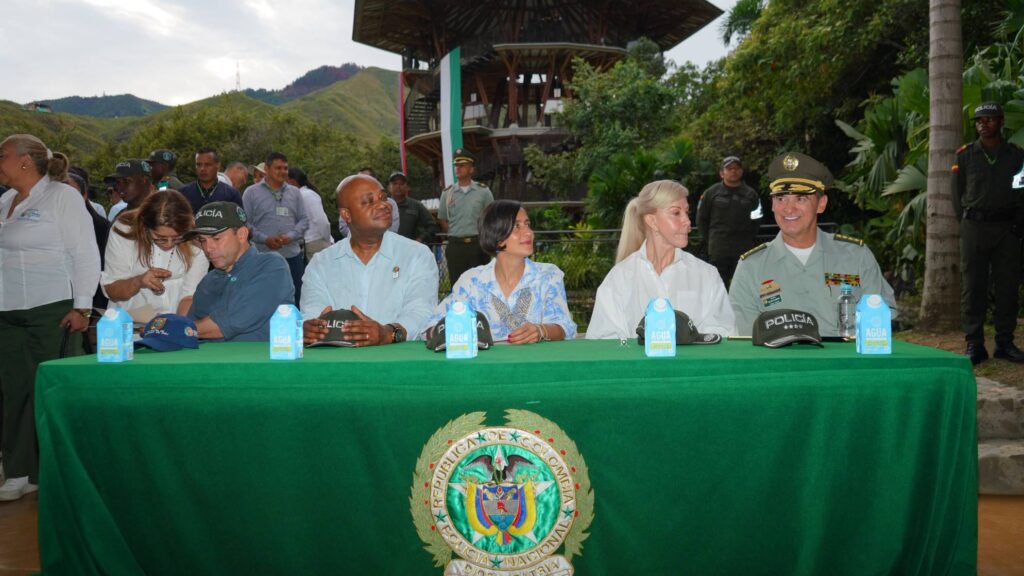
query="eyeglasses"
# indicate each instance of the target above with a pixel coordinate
(166, 240)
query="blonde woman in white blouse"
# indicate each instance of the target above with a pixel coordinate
(49, 266)
(651, 263)
(149, 268)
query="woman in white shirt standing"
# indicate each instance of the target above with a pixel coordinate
(49, 266)
(149, 268)
(651, 263)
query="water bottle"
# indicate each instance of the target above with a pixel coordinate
(847, 312)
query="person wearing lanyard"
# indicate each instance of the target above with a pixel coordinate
(460, 208)
(51, 267)
(149, 269)
(207, 188)
(277, 215)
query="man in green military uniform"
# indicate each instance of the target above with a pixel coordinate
(458, 213)
(803, 267)
(989, 202)
(163, 162)
(415, 221)
(728, 216)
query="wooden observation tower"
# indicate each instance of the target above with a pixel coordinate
(516, 64)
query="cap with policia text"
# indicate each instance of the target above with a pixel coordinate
(129, 168)
(484, 339)
(217, 217)
(988, 110)
(686, 331)
(782, 327)
(335, 321)
(796, 173)
(463, 156)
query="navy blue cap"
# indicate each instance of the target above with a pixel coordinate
(169, 332)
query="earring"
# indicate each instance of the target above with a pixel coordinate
(22, 166)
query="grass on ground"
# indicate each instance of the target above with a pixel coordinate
(1001, 371)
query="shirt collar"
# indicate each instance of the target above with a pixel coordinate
(386, 250)
(777, 247)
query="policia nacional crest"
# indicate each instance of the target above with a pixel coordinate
(504, 499)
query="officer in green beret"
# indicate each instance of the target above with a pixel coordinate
(803, 268)
(458, 215)
(988, 198)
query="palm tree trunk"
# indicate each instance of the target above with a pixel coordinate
(940, 304)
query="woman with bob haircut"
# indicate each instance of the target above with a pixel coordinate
(148, 262)
(651, 263)
(524, 301)
(50, 268)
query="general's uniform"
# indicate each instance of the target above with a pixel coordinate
(770, 277)
(989, 206)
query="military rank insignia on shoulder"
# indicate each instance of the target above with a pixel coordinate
(962, 148)
(850, 239)
(753, 250)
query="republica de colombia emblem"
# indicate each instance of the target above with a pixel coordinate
(504, 499)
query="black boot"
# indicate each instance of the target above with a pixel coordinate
(1009, 352)
(977, 353)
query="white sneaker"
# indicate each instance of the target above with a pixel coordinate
(15, 488)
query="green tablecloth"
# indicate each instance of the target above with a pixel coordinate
(727, 459)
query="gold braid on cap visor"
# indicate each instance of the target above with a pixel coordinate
(796, 186)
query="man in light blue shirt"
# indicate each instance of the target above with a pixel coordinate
(277, 215)
(387, 280)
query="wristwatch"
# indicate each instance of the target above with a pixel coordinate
(85, 312)
(399, 333)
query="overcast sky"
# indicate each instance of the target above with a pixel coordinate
(178, 51)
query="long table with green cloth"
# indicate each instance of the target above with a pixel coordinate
(728, 459)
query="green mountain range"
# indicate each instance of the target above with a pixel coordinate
(363, 105)
(105, 106)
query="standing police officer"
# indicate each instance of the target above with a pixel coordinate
(728, 217)
(458, 215)
(989, 202)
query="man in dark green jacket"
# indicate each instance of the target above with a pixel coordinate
(989, 202)
(728, 217)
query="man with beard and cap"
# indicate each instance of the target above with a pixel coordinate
(803, 267)
(388, 281)
(988, 198)
(235, 300)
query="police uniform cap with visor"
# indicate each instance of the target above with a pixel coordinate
(463, 156)
(988, 110)
(797, 173)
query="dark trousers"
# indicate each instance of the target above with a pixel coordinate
(726, 266)
(989, 254)
(297, 266)
(463, 254)
(27, 338)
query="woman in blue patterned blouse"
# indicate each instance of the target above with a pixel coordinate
(523, 300)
